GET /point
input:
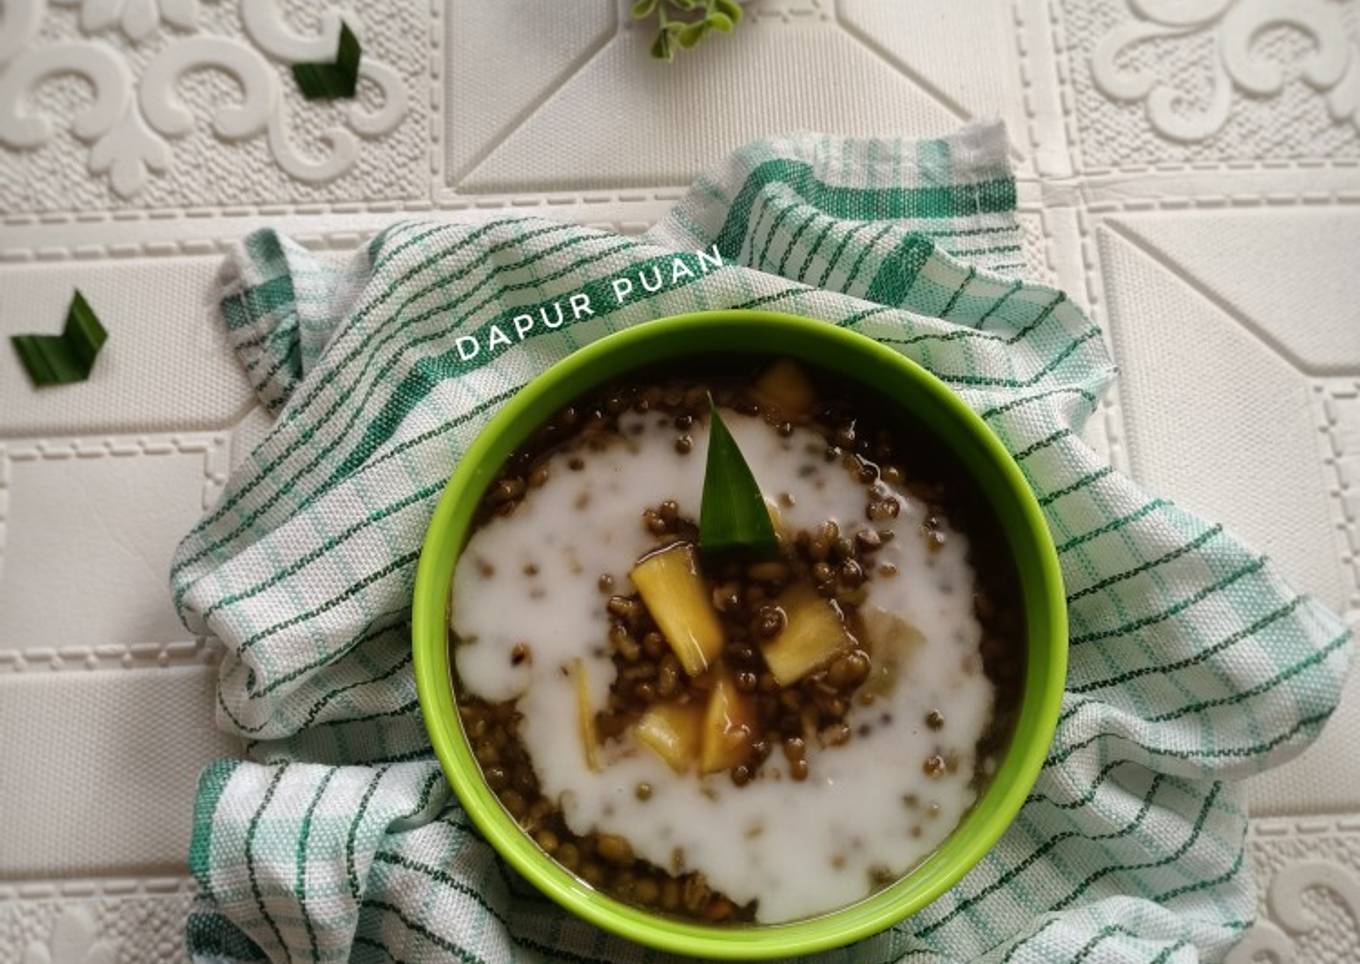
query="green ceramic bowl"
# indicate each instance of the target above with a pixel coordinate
(860, 360)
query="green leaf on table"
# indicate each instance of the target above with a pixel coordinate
(733, 515)
(65, 358)
(678, 27)
(328, 81)
(692, 33)
(720, 22)
(661, 46)
(730, 8)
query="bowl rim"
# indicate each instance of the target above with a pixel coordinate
(1042, 590)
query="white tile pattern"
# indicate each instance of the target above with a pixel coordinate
(129, 743)
(165, 130)
(125, 502)
(1196, 182)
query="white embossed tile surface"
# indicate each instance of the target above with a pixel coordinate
(1191, 171)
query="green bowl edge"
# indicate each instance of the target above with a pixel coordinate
(831, 348)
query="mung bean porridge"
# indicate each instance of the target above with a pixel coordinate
(728, 739)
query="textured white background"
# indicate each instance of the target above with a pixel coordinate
(1194, 180)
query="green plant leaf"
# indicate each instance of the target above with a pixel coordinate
(328, 81)
(692, 34)
(65, 358)
(720, 22)
(679, 27)
(731, 8)
(733, 515)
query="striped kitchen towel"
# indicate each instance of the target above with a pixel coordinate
(1193, 664)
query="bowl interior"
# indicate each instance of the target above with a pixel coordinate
(860, 360)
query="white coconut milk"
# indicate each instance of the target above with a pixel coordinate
(799, 848)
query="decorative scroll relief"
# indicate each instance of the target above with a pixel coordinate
(1332, 67)
(133, 119)
(1277, 940)
(136, 18)
(74, 939)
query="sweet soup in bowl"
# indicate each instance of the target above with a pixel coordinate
(727, 735)
(737, 652)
